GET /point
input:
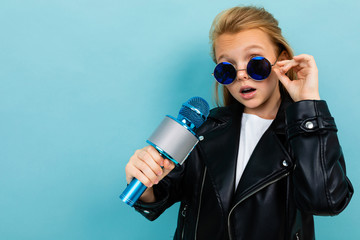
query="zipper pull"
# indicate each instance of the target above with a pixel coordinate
(183, 212)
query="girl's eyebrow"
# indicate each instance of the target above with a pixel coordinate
(250, 47)
(223, 56)
(256, 46)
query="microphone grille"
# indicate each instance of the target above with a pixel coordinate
(195, 110)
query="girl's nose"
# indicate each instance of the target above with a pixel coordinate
(242, 74)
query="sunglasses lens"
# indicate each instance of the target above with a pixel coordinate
(259, 68)
(225, 73)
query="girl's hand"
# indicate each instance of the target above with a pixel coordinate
(306, 87)
(148, 166)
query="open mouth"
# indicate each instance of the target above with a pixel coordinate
(247, 90)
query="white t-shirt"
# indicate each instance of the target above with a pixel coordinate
(252, 128)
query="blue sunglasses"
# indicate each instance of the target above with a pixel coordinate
(258, 68)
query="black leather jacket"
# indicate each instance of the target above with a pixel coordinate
(297, 170)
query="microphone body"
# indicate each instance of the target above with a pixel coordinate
(174, 139)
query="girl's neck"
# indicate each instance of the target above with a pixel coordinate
(268, 110)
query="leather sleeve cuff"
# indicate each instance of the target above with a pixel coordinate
(152, 210)
(308, 116)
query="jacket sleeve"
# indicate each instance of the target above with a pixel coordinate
(320, 183)
(167, 192)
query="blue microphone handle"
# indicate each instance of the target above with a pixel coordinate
(132, 192)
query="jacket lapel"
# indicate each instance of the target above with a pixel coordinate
(265, 165)
(220, 145)
(267, 160)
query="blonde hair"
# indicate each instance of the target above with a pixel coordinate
(237, 19)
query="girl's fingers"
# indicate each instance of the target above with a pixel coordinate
(157, 162)
(145, 165)
(168, 165)
(139, 175)
(302, 60)
(303, 57)
(148, 166)
(306, 87)
(285, 66)
(282, 63)
(282, 77)
(152, 159)
(145, 169)
(298, 62)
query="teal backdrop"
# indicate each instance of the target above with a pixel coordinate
(83, 83)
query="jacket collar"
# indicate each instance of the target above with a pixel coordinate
(279, 125)
(221, 145)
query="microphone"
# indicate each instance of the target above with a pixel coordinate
(174, 139)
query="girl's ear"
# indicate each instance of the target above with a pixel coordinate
(284, 55)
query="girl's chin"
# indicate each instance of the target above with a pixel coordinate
(250, 104)
(253, 107)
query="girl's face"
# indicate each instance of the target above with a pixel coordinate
(261, 98)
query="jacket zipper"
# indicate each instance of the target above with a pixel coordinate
(183, 213)
(250, 194)
(201, 191)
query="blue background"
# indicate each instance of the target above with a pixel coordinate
(83, 83)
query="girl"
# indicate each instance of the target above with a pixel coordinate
(270, 158)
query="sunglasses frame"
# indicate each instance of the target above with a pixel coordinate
(258, 80)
